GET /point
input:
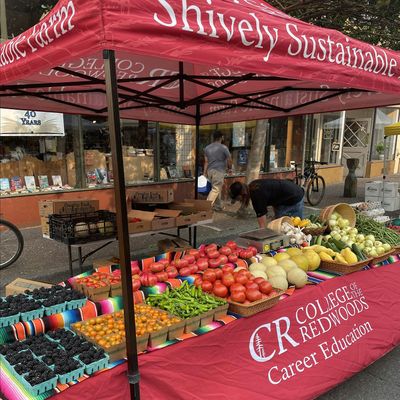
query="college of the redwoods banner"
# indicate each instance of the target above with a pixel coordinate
(305, 345)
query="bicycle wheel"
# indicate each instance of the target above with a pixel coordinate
(11, 243)
(315, 190)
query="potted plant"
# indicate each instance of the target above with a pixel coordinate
(380, 149)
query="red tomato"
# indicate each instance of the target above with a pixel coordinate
(135, 269)
(156, 267)
(253, 250)
(213, 253)
(265, 287)
(193, 268)
(218, 282)
(198, 281)
(135, 284)
(253, 294)
(241, 278)
(189, 258)
(214, 262)
(181, 263)
(222, 259)
(218, 273)
(211, 246)
(231, 244)
(162, 276)
(228, 279)
(225, 250)
(227, 268)
(251, 285)
(195, 253)
(202, 263)
(232, 258)
(202, 253)
(209, 276)
(239, 297)
(237, 287)
(207, 286)
(164, 261)
(148, 279)
(220, 290)
(185, 271)
(246, 254)
(259, 280)
(171, 271)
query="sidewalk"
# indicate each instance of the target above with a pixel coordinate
(46, 260)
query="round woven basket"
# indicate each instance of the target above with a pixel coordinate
(276, 224)
(343, 209)
(315, 231)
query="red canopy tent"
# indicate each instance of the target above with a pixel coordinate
(191, 62)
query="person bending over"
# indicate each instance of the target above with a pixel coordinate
(285, 197)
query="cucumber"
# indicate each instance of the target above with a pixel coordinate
(358, 252)
(339, 244)
(332, 246)
(319, 239)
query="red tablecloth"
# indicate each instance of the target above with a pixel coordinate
(304, 346)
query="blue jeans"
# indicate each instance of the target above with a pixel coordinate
(296, 210)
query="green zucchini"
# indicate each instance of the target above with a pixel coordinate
(360, 255)
(339, 244)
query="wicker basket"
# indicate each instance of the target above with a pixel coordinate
(246, 310)
(343, 269)
(276, 224)
(383, 257)
(315, 231)
(343, 209)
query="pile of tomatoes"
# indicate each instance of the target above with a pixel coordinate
(239, 286)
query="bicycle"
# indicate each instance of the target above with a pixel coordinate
(313, 184)
(11, 243)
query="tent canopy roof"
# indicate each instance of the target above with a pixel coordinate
(226, 60)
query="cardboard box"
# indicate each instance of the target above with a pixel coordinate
(373, 188)
(152, 196)
(48, 207)
(98, 293)
(163, 223)
(374, 199)
(193, 211)
(144, 225)
(189, 219)
(175, 244)
(391, 203)
(104, 262)
(44, 222)
(19, 285)
(390, 189)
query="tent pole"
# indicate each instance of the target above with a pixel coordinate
(122, 221)
(384, 170)
(196, 166)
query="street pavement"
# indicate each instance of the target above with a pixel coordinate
(47, 260)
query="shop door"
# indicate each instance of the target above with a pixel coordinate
(356, 140)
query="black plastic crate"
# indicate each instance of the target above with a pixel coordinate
(82, 228)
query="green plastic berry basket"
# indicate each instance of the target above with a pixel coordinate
(41, 387)
(30, 315)
(71, 376)
(11, 320)
(74, 304)
(97, 365)
(56, 309)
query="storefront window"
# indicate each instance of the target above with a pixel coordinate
(278, 143)
(330, 124)
(383, 117)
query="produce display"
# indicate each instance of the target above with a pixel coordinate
(186, 301)
(364, 238)
(34, 304)
(295, 234)
(108, 331)
(40, 361)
